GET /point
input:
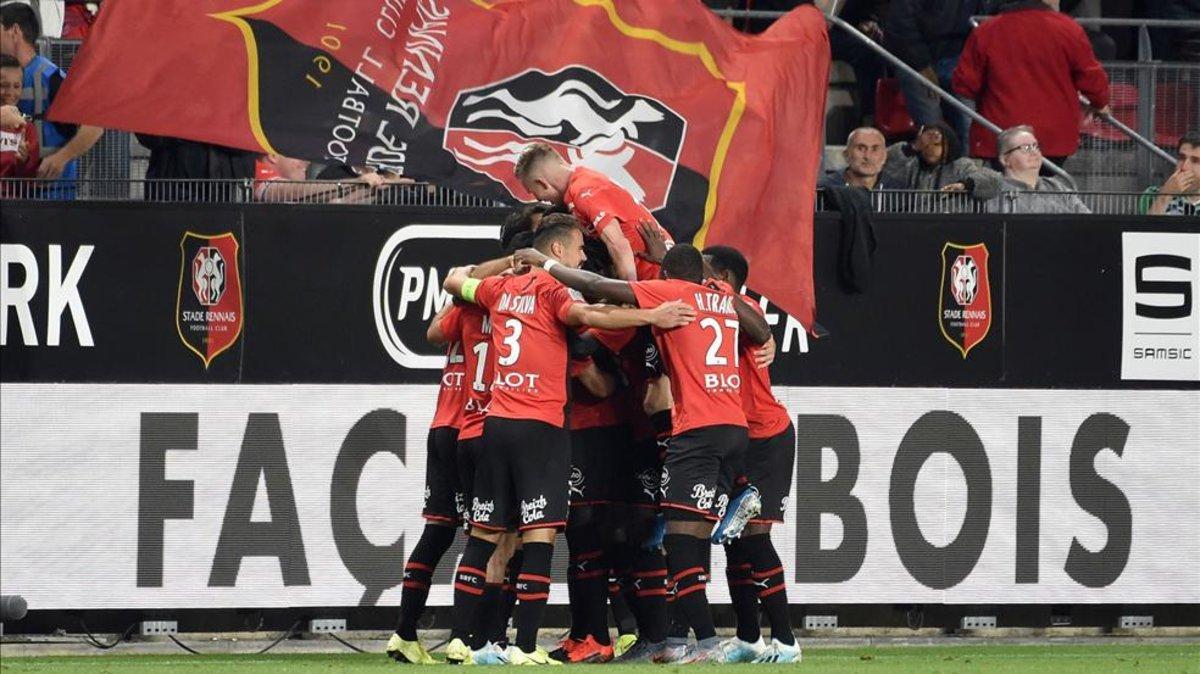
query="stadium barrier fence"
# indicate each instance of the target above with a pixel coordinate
(432, 196)
(219, 410)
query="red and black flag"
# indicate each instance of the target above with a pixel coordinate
(717, 132)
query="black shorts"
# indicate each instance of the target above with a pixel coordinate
(468, 459)
(521, 478)
(698, 471)
(443, 495)
(595, 455)
(638, 475)
(770, 463)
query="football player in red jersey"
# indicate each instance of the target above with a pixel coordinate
(523, 475)
(598, 430)
(754, 569)
(708, 423)
(605, 209)
(443, 497)
(483, 631)
(639, 570)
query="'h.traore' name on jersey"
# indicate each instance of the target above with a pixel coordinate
(529, 314)
(702, 357)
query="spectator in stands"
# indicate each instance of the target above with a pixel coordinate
(1180, 194)
(19, 145)
(1174, 44)
(182, 170)
(868, 17)
(1030, 63)
(865, 154)
(280, 179)
(928, 35)
(934, 161)
(61, 144)
(1023, 190)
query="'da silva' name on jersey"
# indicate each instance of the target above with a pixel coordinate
(724, 334)
(517, 304)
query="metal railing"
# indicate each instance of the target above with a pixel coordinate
(932, 201)
(1161, 101)
(243, 191)
(355, 194)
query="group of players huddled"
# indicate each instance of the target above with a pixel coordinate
(630, 405)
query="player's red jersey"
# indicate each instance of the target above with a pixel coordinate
(529, 314)
(701, 357)
(477, 370)
(630, 347)
(594, 199)
(588, 411)
(765, 416)
(450, 393)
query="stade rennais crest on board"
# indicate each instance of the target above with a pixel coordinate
(965, 299)
(208, 310)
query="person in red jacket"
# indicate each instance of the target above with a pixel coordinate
(1027, 66)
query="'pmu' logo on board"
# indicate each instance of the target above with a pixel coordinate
(407, 289)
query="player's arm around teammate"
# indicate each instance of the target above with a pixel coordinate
(607, 317)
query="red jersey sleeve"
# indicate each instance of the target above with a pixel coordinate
(488, 290)
(451, 324)
(560, 302)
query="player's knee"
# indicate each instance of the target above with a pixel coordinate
(540, 535)
(757, 528)
(492, 537)
(687, 523)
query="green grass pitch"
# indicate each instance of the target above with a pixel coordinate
(1050, 658)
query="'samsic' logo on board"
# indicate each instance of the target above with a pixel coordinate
(208, 311)
(965, 300)
(1160, 281)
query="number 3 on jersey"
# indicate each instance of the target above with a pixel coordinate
(512, 340)
(714, 357)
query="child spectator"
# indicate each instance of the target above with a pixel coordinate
(18, 148)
